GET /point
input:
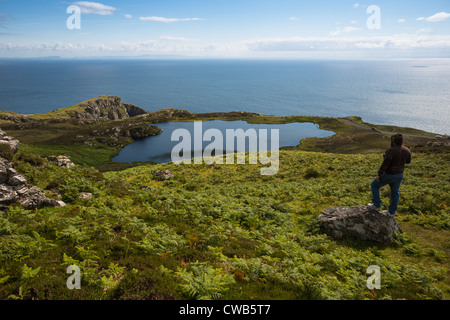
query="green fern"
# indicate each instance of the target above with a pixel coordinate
(204, 282)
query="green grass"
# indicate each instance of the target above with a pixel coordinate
(224, 232)
(94, 145)
(86, 144)
(80, 154)
(62, 113)
(220, 231)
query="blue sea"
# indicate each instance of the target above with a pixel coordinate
(407, 93)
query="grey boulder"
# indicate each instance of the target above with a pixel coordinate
(359, 222)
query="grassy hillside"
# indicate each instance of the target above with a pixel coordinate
(221, 231)
(95, 144)
(224, 232)
(106, 104)
(94, 131)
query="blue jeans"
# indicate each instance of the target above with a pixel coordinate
(394, 181)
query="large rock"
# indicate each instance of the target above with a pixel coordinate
(17, 180)
(85, 196)
(8, 145)
(62, 161)
(133, 110)
(35, 197)
(163, 175)
(4, 177)
(359, 222)
(7, 195)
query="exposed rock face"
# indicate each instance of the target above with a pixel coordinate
(359, 222)
(85, 195)
(107, 108)
(62, 161)
(167, 114)
(163, 175)
(8, 145)
(35, 197)
(135, 132)
(7, 195)
(14, 187)
(134, 111)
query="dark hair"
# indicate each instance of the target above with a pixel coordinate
(397, 140)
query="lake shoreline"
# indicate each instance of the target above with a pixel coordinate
(215, 134)
(92, 138)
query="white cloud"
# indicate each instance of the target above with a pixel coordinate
(441, 16)
(94, 8)
(171, 38)
(354, 22)
(401, 20)
(346, 29)
(420, 42)
(293, 19)
(128, 16)
(438, 17)
(356, 5)
(396, 42)
(168, 20)
(335, 32)
(425, 30)
(165, 45)
(349, 29)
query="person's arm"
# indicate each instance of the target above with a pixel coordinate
(385, 164)
(408, 158)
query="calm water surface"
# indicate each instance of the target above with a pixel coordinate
(159, 148)
(408, 93)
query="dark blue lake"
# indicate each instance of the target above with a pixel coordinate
(159, 148)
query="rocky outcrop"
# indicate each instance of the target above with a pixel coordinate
(15, 117)
(8, 145)
(14, 188)
(165, 115)
(135, 132)
(359, 222)
(437, 144)
(13, 185)
(33, 197)
(134, 111)
(114, 135)
(85, 195)
(163, 175)
(105, 108)
(62, 161)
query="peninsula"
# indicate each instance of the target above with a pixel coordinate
(93, 131)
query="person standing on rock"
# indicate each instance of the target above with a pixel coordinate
(391, 173)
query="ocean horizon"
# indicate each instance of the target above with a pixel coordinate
(405, 93)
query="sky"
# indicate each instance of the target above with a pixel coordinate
(385, 29)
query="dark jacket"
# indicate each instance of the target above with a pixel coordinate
(395, 157)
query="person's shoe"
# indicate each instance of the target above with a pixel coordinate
(392, 215)
(371, 206)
